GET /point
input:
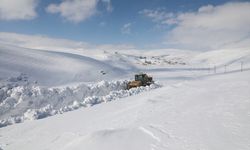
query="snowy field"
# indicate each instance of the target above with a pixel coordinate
(77, 100)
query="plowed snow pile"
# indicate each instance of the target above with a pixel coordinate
(30, 102)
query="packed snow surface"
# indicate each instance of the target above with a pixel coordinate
(203, 103)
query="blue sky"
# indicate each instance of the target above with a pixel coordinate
(111, 22)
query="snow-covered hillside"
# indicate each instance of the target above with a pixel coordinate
(52, 68)
(200, 102)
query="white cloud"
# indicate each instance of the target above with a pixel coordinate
(48, 43)
(18, 9)
(77, 10)
(40, 42)
(210, 27)
(159, 16)
(74, 10)
(126, 28)
(115, 47)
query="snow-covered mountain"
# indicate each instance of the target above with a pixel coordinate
(201, 100)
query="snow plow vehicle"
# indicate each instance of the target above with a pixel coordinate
(141, 79)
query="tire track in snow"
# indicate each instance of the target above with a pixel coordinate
(148, 132)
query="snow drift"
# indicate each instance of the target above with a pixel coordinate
(31, 102)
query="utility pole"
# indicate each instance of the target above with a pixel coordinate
(209, 69)
(241, 66)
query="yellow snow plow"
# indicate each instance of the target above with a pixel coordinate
(141, 79)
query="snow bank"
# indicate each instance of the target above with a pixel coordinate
(31, 102)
